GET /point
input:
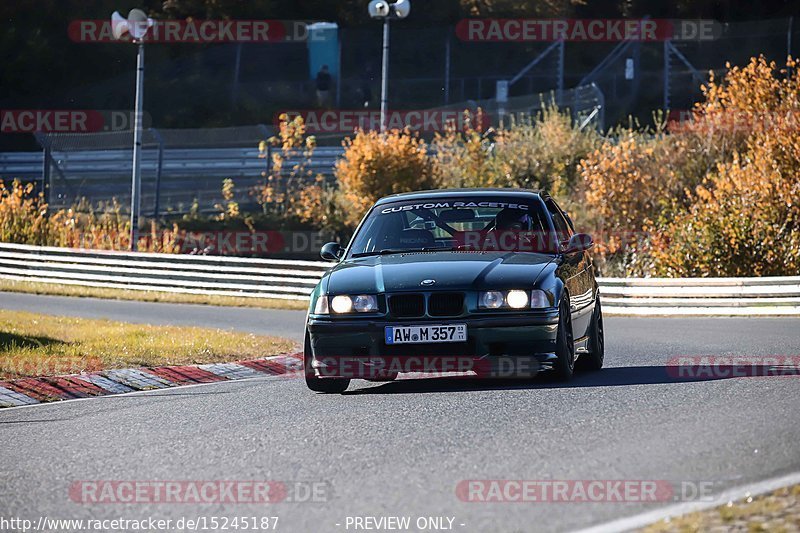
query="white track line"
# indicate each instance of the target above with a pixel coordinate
(672, 511)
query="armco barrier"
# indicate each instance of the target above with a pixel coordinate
(191, 274)
(294, 280)
(768, 296)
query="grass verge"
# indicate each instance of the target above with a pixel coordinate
(43, 345)
(778, 511)
(52, 289)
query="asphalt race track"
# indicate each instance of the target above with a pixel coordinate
(287, 324)
(401, 449)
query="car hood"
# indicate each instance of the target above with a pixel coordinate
(449, 270)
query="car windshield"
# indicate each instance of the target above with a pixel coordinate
(454, 224)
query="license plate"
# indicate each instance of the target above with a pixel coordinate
(426, 334)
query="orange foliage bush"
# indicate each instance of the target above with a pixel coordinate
(463, 157)
(23, 215)
(541, 151)
(284, 184)
(715, 195)
(24, 219)
(745, 221)
(378, 164)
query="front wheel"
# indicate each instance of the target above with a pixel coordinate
(316, 384)
(564, 366)
(594, 359)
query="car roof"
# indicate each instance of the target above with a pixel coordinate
(482, 193)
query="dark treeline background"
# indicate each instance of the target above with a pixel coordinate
(41, 67)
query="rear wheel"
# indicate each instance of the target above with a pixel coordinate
(316, 384)
(564, 366)
(594, 359)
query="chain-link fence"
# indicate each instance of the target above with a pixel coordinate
(687, 64)
(186, 168)
(179, 167)
(586, 105)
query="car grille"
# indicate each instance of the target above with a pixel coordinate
(446, 304)
(407, 305)
(440, 304)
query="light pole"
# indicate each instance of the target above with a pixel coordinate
(382, 9)
(137, 24)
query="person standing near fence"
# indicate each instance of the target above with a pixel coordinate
(324, 81)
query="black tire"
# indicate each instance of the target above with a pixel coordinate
(564, 366)
(593, 360)
(316, 384)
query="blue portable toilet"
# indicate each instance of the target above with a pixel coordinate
(323, 48)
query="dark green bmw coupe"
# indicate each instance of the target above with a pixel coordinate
(487, 282)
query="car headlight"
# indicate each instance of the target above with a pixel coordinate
(513, 299)
(517, 299)
(342, 304)
(491, 300)
(365, 303)
(345, 304)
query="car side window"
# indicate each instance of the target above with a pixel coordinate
(563, 229)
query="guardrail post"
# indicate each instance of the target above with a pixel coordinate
(47, 164)
(265, 133)
(602, 98)
(46, 157)
(560, 74)
(159, 167)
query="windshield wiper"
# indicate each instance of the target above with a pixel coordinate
(391, 251)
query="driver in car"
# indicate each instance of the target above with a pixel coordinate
(511, 230)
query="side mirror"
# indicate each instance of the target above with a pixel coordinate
(331, 251)
(579, 242)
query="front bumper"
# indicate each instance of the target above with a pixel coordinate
(509, 345)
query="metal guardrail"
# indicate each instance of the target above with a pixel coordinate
(177, 162)
(294, 280)
(183, 174)
(189, 274)
(769, 296)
